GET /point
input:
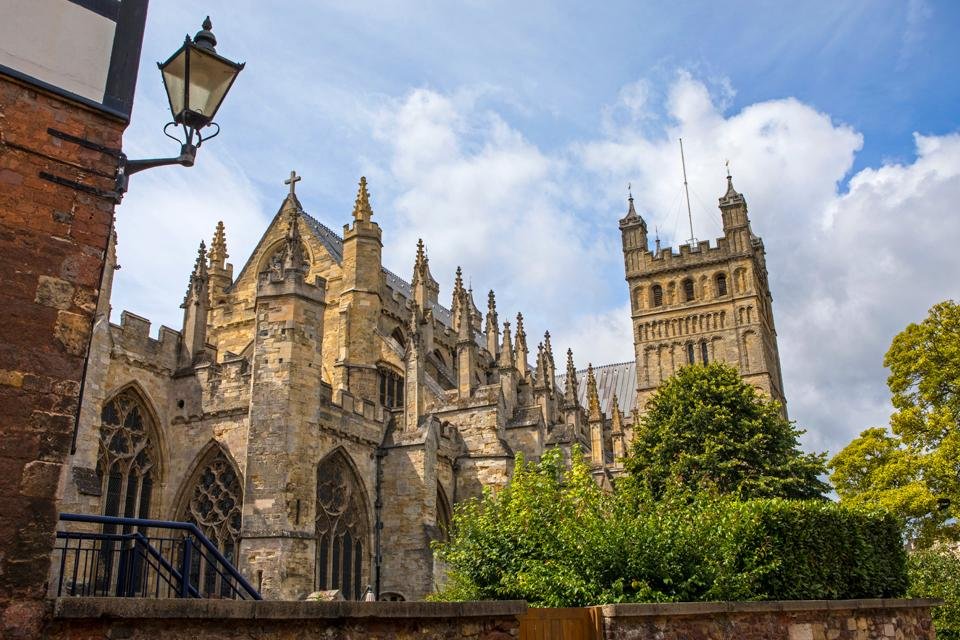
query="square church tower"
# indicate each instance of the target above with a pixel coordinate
(703, 304)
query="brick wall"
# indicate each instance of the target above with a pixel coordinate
(52, 243)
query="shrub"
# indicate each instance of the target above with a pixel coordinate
(935, 573)
(553, 538)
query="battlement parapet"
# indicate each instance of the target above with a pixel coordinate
(647, 262)
(133, 336)
(291, 283)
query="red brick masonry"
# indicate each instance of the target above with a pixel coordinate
(52, 241)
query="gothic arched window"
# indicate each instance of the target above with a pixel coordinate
(126, 468)
(214, 505)
(657, 295)
(721, 281)
(704, 352)
(690, 357)
(688, 290)
(342, 531)
(391, 389)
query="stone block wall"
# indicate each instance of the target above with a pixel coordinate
(53, 240)
(787, 620)
(270, 620)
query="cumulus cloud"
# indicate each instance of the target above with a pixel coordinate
(848, 270)
(849, 267)
(484, 197)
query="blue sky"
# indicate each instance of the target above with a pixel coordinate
(504, 134)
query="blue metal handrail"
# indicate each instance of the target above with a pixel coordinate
(181, 577)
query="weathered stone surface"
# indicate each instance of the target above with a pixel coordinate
(786, 620)
(178, 619)
(314, 360)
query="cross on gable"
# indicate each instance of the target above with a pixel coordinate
(292, 181)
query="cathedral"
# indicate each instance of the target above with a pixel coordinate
(317, 416)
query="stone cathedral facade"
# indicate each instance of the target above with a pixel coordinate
(317, 416)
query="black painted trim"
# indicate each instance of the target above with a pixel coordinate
(130, 17)
(106, 8)
(125, 58)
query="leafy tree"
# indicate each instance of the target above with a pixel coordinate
(705, 428)
(553, 538)
(544, 538)
(935, 573)
(915, 470)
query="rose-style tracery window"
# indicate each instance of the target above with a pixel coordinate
(214, 506)
(342, 538)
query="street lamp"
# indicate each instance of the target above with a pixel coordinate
(197, 80)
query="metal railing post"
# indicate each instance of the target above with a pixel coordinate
(185, 568)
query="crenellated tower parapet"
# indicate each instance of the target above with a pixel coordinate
(701, 303)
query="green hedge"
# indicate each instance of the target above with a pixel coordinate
(802, 550)
(554, 539)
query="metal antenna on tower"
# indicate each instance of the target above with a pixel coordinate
(686, 189)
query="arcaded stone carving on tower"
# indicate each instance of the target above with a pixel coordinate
(703, 303)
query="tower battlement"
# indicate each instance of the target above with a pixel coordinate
(701, 303)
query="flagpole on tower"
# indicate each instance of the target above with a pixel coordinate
(686, 189)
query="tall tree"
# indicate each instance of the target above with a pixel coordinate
(915, 470)
(705, 428)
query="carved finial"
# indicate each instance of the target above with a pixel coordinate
(200, 266)
(593, 398)
(218, 247)
(493, 325)
(616, 425)
(506, 348)
(521, 347)
(293, 258)
(361, 207)
(458, 279)
(205, 38)
(571, 383)
(198, 276)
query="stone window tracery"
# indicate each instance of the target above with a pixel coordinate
(215, 507)
(391, 389)
(341, 529)
(126, 470)
(688, 290)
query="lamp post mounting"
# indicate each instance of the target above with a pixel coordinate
(197, 80)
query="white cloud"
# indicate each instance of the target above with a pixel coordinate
(848, 270)
(482, 196)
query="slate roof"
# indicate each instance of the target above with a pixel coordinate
(334, 245)
(619, 379)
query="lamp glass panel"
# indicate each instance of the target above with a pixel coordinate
(210, 78)
(173, 78)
